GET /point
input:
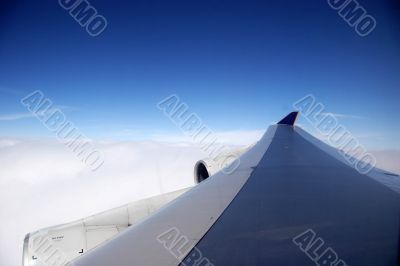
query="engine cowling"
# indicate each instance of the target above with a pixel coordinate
(227, 161)
(200, 171)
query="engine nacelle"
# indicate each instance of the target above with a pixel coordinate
(227, 161)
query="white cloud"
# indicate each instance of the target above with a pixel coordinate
(18, 116)
(239, 137)
(8, 142)
(344, 115)
(12, 117)
(42, 183)
(230, 138)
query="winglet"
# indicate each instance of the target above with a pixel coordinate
(290, 119)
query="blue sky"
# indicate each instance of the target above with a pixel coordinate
(239, 65)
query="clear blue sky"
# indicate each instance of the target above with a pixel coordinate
(238, 64)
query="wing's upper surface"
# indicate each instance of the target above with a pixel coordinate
(287, 184)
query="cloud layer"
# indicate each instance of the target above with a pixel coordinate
(43, 184)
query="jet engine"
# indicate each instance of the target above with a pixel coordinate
(226, 161)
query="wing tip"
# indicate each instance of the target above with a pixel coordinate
(290, 119)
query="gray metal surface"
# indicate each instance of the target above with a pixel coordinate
(295, 187)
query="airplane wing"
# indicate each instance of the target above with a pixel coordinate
(292, 200)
